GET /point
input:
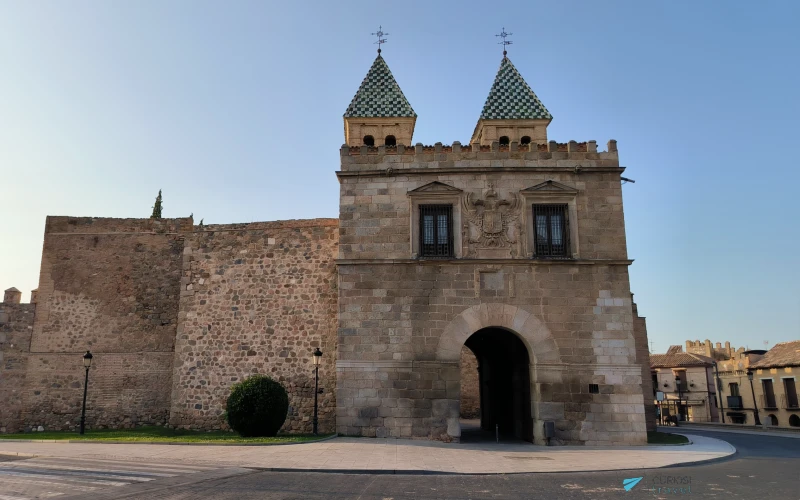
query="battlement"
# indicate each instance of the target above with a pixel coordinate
(270, 225)
(572, 154)
(707, 348)
(94, 225)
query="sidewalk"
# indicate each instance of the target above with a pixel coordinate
(688, 427)
(390, 456)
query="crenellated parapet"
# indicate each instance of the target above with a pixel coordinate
(570, 155)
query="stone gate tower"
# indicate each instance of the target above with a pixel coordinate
(511, 245)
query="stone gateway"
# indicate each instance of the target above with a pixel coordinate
(486, 279)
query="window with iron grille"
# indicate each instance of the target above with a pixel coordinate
(436, 230)
(551, 231)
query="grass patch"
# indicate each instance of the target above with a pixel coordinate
(655, 437)
(162, 435)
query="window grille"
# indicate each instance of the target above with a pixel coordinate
(436, 230)
(594, 389)
(551, 231)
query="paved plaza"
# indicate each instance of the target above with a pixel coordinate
(391, 456)
(764, 466)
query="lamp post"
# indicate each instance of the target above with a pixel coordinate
(719, 393)
(753, 391)
(87, 362)
(680, 394)
(317, 357)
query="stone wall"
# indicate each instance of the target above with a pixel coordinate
(470, 389)
(256, 298)
(16, 326)
(643, 358)
(403, 320)
(110, 286)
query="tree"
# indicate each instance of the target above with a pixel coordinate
(157, 207)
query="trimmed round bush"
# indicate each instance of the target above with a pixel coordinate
(257, 406)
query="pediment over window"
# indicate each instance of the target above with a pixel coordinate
(550, 186)
(435, 187)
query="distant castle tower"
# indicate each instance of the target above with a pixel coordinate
(12, 296)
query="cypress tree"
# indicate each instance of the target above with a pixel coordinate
(157, 207)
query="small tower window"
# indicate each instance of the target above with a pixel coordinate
(526, 139)
(390, 141)
(369, 140)
(504, 140)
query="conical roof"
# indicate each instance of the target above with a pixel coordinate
(511, 98)
(379, 95)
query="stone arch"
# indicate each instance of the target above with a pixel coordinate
(534, 334)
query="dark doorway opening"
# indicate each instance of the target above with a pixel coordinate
(504, 385)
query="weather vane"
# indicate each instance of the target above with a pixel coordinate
(505, 42)
(380, 34)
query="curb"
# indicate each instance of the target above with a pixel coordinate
(168, 443)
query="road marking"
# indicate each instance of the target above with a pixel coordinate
(48, 477)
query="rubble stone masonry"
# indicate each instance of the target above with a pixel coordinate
(16, 326)
(110, 286)
(175, 313)
(256, 298)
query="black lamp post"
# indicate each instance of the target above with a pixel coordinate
(87, 362)
(317, 357)
(680, 393)
(753, 391)
(719, 393)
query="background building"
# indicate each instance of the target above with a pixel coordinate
(687, 381)
(774, 382)
(717, 375)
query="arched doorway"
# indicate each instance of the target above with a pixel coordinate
(503, 382)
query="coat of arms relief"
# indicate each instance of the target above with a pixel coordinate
(491, 226)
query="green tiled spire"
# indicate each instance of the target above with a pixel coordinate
(379, 95)
(511, 98)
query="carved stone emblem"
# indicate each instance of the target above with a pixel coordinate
(491, 222)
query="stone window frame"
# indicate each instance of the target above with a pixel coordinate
(435, 193)
(550, 192)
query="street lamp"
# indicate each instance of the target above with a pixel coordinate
(317, 357)
(680, 394)
(719, 393)
(87, 362)
(755, 404)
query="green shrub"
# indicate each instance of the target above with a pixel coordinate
(257, 406)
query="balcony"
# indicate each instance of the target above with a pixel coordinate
(790, 402)
(735, 402)
(768, 402)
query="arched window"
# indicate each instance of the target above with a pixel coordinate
(504, 140)
(526, 139)
(369, 140)
(794, 421)
(390, 141)
(773, 420)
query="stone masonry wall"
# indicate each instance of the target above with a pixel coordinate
(110, 286)
(257, 298)
(403, 321)
(643, 357)
(470, 386)
(16, 326)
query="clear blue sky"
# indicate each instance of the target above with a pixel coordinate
(234, 109)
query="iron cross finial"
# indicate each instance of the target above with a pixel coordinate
(505, 42)
(380, 34)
